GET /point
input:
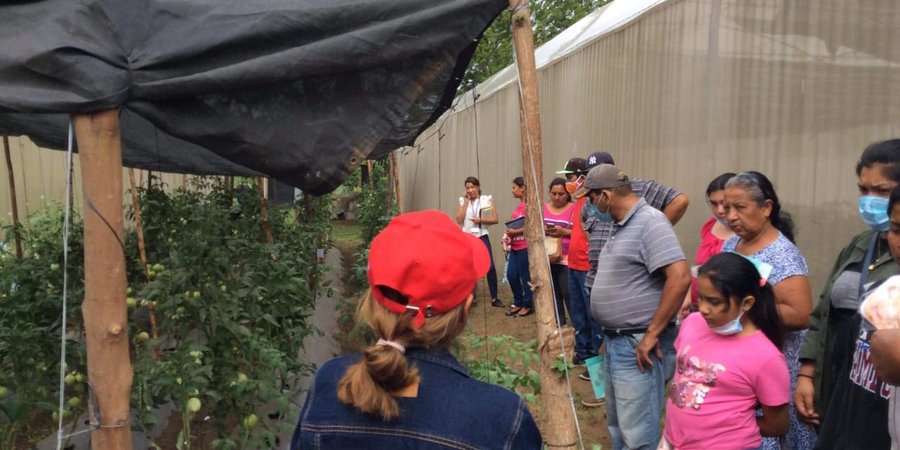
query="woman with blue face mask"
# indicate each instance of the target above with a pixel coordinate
(864, 263)
(729, 362)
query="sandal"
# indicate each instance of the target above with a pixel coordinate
(528, 312)
(513, 310)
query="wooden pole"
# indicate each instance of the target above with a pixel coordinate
(370, 165)
(138, 223)
(104, 310)
(397, 195)
(392, 180)
(264, 210)
(142, 251)
(12, 198)
(558, 415)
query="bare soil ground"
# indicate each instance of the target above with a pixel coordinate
(490, 321)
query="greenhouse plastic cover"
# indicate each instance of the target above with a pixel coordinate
(302, 91)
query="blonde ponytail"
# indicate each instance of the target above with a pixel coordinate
(371, 384)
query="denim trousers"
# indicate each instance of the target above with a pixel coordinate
(519, 277)
(635, 400)
(560, 279)
(492, 272)
(588, 333)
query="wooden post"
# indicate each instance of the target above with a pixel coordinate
(264, 210)
(142, 251)
(12, 198)
(392, 181)
(558, 415)
(104, 310)
(398, 198)
(370, 165)
(138, 223)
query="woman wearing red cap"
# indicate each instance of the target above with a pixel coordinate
(407, 390)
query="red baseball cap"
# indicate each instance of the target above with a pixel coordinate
(427, 259)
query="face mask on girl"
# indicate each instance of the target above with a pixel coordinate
(732, 327)
(873, 211)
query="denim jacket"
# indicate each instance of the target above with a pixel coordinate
(452, 411)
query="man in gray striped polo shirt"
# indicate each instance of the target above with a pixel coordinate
(642, 277)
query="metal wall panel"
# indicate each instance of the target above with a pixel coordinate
(691, 89)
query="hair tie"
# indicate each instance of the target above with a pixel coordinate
(399, 347)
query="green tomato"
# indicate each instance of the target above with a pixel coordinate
(193, 404)
(79, 377)
(54, 267)
(251, 421)
(196, 294)
(130, 302)
(4, 391)
(158, 268)
(179, 310)
(142, 336)
(196, 353)
(74, 402)
(223, 288)
(178, 380)
(70, 379)
(128, 290)
(241, 377)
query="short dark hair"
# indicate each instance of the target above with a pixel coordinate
(895, 198)
(718, 183)
(519, 181)
(882, 152)
(474, 182)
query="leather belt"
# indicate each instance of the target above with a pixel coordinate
(619, 332)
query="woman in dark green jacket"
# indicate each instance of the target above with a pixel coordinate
(865, 262)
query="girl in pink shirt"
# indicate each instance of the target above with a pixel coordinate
(729, 363)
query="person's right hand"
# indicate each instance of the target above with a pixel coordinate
(804, 398)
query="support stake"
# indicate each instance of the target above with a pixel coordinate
(12, 198)
(558, 416)
(104, 310)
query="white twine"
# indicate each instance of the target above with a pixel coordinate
(562, 349)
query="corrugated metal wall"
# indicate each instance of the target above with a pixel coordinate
(40, 176)
(694, 88)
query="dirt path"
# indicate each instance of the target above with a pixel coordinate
(489, 321)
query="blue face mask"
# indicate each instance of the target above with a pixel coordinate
(732, 327)
(601, 216)
(873, 211)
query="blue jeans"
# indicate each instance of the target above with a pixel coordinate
(492, 272)
(519, 278)
(588, 333)
(635, 401)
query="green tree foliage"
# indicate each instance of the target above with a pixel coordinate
(549, 18)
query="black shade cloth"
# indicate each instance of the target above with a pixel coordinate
(300, 90)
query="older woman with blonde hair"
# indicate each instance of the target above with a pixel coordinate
(407, 390)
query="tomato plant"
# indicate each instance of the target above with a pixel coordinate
(230, 310)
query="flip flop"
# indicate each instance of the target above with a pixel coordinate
(513, 311)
